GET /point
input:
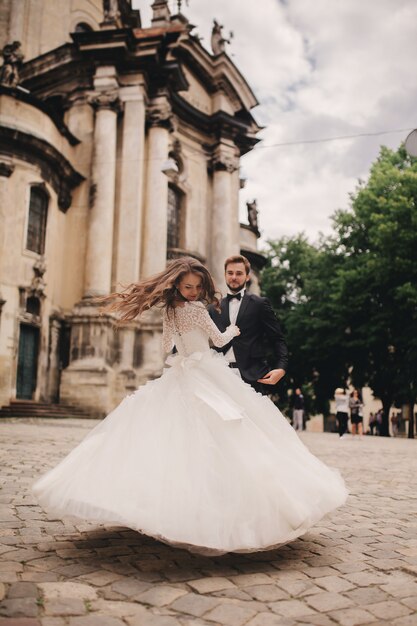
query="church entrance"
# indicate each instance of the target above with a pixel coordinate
(27, 366)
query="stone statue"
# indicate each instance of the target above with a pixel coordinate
(217, 40)
(253, 214)
(12, 61)
(111, 10)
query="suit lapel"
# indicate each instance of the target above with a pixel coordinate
(224, 306)
(242, 308)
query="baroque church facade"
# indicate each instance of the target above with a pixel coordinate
(119, 150)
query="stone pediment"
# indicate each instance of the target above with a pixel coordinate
(196, 95)
(211, 75)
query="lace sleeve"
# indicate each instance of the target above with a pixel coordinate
(167, 332)
(205, 322)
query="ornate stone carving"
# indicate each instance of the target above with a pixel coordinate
(253, 215)
(38, 284)
(222, 160)
(6, 169)
(106, 100)
(160, 13)
(12, 61)
(218, 42)
(64, 198)
(111, 11)
(159, 113)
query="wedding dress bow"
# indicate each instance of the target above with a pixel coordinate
(225, 408)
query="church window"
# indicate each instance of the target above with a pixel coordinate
(174, 218)
(36, 230)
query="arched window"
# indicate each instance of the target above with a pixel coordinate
(38, 211)
(174, 219)
(33, 305)
(83, 27)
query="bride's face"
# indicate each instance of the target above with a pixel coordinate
(190, 286)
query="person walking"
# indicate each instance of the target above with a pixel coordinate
(298, 410)
(356, 412)
(342, 411)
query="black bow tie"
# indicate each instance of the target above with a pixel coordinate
(230, 296)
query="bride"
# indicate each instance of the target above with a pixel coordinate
(196, 458)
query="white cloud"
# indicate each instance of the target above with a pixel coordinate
(320, 69)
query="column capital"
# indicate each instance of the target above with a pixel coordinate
(159, 113)
(223, 159)
(106, 100)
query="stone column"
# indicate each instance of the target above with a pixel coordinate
(225, 215)
(102, 193)
(156, 197)
(130, 198)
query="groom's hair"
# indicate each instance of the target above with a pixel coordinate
(238, 258)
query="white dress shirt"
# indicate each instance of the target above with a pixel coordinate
(234, 306)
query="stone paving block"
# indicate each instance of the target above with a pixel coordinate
(333, 583)
(96, 620)
(19, 607)
(59, 590)
(2, 591)
(243, 580)
(291, 608)
(65, 606)
(129, 587)
(407, 620)
(53, 621)
(194, 604)
(19, 621)
(208, 585)
(410, 602)
(401, 589)
(152, 620)
(389, 609)
(318, 572)
(229, 614)
(328, 601)
(363, 596)
(266, 593)
(116, 608)
(352, 617)
(22, 590)
(161, 595)
(100, 578)
(269, 619)
(234, 593)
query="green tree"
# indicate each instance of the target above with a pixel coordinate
(377, 281)
(349, 303)
(298, 280)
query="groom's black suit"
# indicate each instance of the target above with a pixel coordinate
(260, 332)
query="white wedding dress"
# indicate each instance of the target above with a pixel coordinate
(196, 458)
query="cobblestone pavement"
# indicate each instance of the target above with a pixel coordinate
(358, 566)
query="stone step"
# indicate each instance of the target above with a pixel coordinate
(29, 408)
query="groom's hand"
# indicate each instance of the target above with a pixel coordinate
(272, 377)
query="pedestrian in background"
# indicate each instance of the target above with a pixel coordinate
(356, 412)
(372, 423)
(298, 410)
(342, 411)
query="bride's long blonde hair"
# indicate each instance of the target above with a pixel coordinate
(160, 289)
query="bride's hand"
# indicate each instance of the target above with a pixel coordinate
(237, 329)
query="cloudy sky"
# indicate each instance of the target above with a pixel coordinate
(320, 69)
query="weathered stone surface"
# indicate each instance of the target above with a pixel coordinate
(342, 572)
(54, 591)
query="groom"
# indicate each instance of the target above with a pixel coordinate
(259, 328)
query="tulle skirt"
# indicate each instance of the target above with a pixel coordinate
(199, 460)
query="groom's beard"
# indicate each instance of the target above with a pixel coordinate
(235, 287)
